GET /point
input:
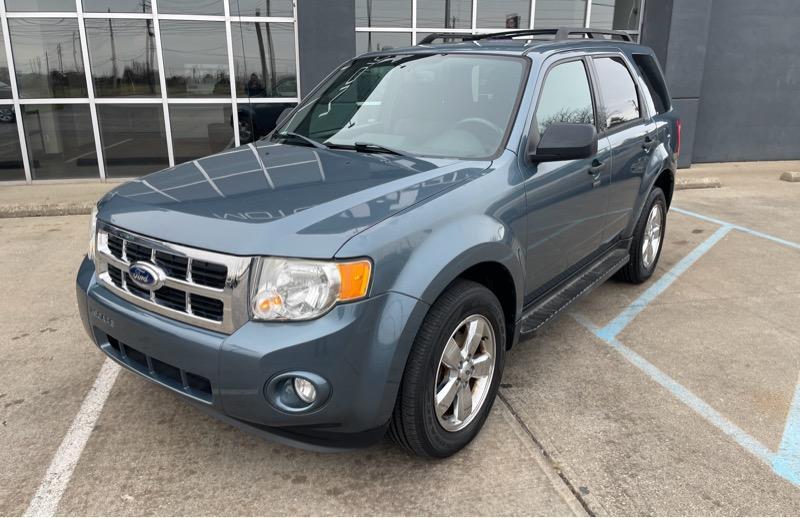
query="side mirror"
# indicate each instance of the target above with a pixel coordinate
(565, 141)
(282, 117)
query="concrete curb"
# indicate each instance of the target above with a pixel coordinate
(791, 176)
(57, 209)
(697, 183)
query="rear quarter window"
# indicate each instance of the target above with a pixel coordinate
(656, 87)
(618, 91)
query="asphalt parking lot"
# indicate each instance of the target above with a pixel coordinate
(676, 397)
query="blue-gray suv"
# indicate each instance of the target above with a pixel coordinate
(368, 265)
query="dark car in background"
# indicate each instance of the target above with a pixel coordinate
(369, 264)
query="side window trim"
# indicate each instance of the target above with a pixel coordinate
(644, 114)
(540, 90)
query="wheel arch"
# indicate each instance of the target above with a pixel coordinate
(666, 181)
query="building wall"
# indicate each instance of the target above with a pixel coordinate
(734, 75)
(750, 98)
(326, 38)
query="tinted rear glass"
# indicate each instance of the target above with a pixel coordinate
(620, 102)
(653, 79)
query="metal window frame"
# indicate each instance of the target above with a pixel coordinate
(233, 100)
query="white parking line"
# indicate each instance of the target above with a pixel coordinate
(45, 501)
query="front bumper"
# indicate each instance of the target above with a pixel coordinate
(359, 348)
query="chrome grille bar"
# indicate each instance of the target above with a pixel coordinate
(233, 296)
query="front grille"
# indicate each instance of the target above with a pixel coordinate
(170, 375)
(209, 274)
(176, 299)
(198, 287)
(177, 266)
(205, 306)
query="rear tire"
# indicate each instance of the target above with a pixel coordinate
(648, 239)
(426, 420)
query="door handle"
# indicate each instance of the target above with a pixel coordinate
(648, 143)
(596, 168)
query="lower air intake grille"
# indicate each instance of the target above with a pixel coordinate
(170, 375)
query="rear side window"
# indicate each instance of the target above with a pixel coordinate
(566, 97)
(654, 81)
(620, 102)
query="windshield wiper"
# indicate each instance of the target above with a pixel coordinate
(368, 147)
(309, 141)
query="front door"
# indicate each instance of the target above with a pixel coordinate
(566, 200)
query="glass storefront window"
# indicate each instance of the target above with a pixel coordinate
(374, 41)
(508, 14)
(200, 129)
(133, 138)
(560, 13)
(5, 78)
(282, 8)
(192, 6)
(195, 58)
(616, 14)
(47, 57)
(117, 6)
(258, 119)
(60, 141)
(265, 66)
(123, 59)
(11, 166)
(443, 14)
(40, 5)
(383, 13)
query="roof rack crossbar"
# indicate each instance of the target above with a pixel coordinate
(559, 33)
(463, 36)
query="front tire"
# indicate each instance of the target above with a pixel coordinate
(452, 373)
(648, 239)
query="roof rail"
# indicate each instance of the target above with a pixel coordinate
(463, 36)
(560, 33)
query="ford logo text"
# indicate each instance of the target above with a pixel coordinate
(147, 276)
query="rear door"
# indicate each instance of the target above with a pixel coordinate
(566, 200)
(631, 133)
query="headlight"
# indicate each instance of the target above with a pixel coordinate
(92, 235)
(299, 289)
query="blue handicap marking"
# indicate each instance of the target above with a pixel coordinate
(786, 462)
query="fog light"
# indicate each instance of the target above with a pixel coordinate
(305, 390)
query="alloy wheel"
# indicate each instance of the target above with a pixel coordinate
(651, 240)
(465, 373)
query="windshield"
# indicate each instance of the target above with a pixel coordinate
(456, 106)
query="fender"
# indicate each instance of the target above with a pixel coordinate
(660, 161)
(421, 251)
(451, 250)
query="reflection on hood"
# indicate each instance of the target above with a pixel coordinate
(312, 192)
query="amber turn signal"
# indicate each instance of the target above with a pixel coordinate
(354, 279)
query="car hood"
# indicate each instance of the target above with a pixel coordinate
(278, 199)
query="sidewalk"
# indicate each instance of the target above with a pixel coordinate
(62, 199)
(51, 199)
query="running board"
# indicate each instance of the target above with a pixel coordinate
(553, 304)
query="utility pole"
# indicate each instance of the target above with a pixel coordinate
(114, 68)
(273, 79)
(75, 50)
(261, 54)
(369, 24)
(60, 58)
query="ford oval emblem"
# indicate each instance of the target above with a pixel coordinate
(147, 276)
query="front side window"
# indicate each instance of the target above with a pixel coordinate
(620, 102)
(431, 105)
(566, 97)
